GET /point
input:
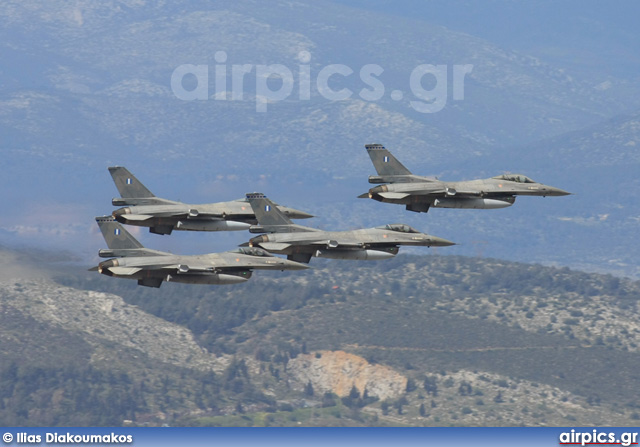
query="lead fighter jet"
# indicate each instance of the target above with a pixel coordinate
(420, 193)
(162, 216)
(301, 243)
(151, 267)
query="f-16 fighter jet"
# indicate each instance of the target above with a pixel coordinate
(150, 267)
(162, 216)
(301, 243)
(420, 193)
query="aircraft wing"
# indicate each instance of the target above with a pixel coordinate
(335, 244)
(278, 246)
(208, 269)
(191, 214)
(463, 193)
(173, 268)
(192, 268)
(208, 216)
(448, 192)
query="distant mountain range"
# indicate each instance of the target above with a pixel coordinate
(87, 85)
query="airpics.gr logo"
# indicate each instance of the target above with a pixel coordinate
(596, 437)
(275, 83)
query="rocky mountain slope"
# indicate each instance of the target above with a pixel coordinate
(428, 340)
(106, 323)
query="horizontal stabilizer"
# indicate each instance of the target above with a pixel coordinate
(274, 246)
(130, 252)
(124, 271)
(137, 217)
(394, 195)
(137, 201)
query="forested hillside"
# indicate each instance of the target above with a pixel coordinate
(477, 341)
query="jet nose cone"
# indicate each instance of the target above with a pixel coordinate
(293, 265)
(562, 192)
(297, 214)
(302, 215)
(440, 242)
(551, 191)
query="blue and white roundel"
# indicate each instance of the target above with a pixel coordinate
(267, 207)
(116, 231)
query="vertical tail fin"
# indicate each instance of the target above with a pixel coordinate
(128, 185)
(267, 212)
(115, 235)
(384, 162)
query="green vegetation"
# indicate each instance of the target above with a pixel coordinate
(212, 312)
(67, 396)
(478, 339)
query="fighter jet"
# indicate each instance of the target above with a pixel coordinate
(300, 243)
(151, 267)
(420, 193)
(162, 216)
